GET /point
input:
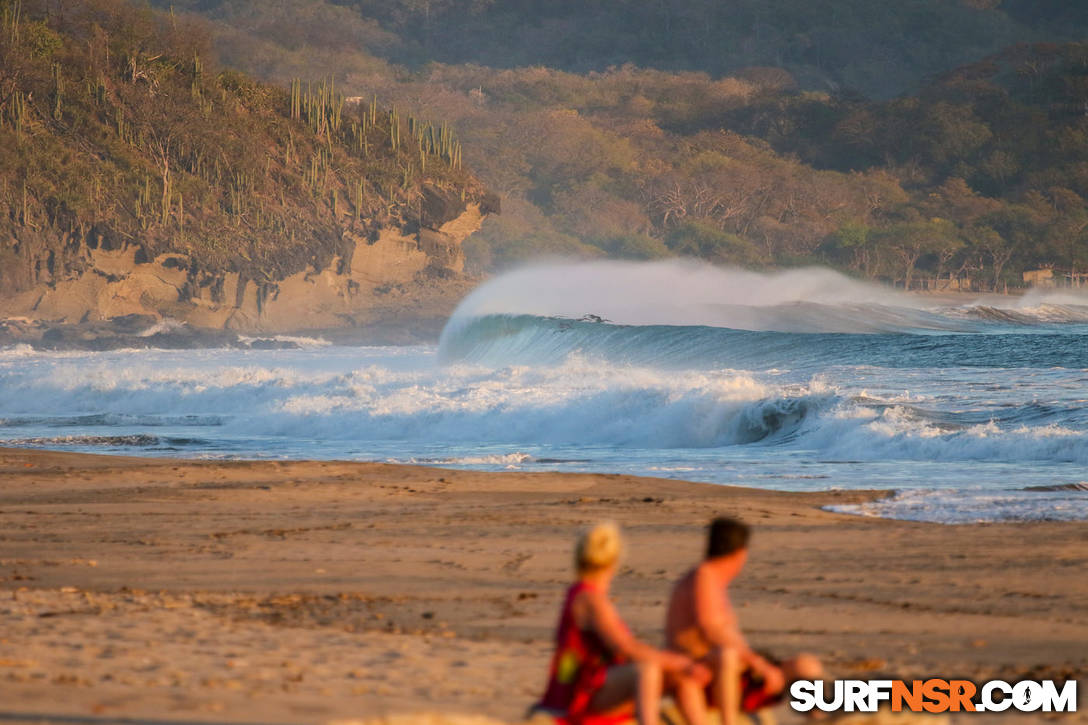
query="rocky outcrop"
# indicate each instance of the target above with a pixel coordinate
(383, 275)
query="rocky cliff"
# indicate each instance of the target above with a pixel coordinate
(394, 272)
(140, 185)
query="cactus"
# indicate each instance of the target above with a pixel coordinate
(11, 17)
(58, 91)
(18, 113)
(356, 138)
(165, 202)
(358, 200)
(296, 99)
(337, 108)
(143, 202)
(145, 194)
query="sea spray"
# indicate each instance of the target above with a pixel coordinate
(673, 292)
(684, 293)
(956, 407)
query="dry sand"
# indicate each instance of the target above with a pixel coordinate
(309, 592)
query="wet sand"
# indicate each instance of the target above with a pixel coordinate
(306, 592)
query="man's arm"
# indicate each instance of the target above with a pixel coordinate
(715, 617)
(608, 626)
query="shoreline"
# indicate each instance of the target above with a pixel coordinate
(160, 332)
(310, 591)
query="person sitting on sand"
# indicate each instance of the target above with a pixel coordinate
(599, 670)
(701, 624)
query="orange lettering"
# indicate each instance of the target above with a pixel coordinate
(962, 691)
(936, 691)
(912, 696)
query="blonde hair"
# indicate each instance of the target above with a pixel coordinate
(598, 548)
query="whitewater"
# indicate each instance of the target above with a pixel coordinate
(803, 380)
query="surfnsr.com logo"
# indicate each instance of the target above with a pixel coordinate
(933, 695)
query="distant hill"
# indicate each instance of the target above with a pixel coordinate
(971, 179)
(879, 48)
(138, 177)
(966, 182)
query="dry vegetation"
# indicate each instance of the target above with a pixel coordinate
(117, 129)
(767, 155)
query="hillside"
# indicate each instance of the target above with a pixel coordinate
(966, 183)
(140, 179)
(877, 48)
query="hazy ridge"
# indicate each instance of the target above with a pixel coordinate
(140, 180)
(930, 143)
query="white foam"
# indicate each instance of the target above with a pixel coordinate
(676, 292)
(164, 325)
(897, 433)
(969, 506)
(842, 426)
(506, 460)
(300, 341)
(688, 292)
(17, 351)
(1068, 297)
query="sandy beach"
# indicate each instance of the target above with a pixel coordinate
(306, 592)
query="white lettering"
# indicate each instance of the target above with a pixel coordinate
(1027, 696)
(879, 691)
(1001, 705)
(855, 697)
(1064, 701)
(803, 693)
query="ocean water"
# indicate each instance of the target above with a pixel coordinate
(970, 410)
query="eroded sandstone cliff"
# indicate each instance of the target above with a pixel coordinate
(140, 185)
(369, 283)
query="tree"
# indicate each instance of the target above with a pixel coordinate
(910, 241)
(855, 239)
(702, 239)
(996, 247)
(635, 246)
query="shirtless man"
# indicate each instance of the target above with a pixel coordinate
(701, 624)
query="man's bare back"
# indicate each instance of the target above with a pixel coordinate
(684, 632)
(701, 623)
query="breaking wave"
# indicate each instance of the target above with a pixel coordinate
(814, 300)
(804, 379)
(530, 340)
